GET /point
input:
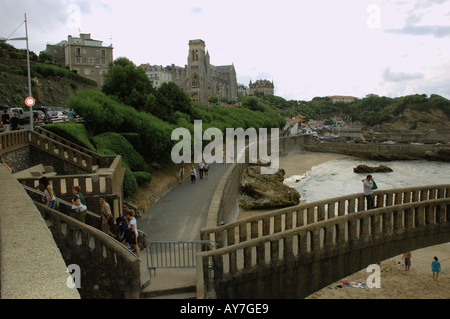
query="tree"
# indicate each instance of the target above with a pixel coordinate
(128, 83)
(176, 98)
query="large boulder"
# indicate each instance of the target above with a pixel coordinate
(439, 154)
(266, 190)
(369, 169)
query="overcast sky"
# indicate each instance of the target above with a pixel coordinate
(308, 48)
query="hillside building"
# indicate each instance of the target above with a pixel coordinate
(157, 74)
(263, 86)
(83, 54)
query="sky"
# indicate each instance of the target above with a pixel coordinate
(307, 48)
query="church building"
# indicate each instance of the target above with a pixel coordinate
(201, 80)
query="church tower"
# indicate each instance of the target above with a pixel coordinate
(197, 54)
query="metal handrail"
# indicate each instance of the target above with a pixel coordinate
(175, 254)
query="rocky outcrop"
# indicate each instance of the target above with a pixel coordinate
(369, 169)
(265, 190)
(440, 154)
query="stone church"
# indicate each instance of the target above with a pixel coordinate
(202, 80)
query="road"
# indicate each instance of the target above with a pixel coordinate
(181, 214)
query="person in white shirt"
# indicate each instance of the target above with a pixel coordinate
(368, 191)
(131, 236)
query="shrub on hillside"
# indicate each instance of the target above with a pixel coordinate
(103, 114)
(120, 145)
(74, 132)
(143, 178)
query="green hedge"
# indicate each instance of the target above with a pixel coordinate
(120, 145)
(74, 132)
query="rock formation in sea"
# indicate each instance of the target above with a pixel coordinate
(370, 169)
(265, 190)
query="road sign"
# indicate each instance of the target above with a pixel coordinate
(29, 101)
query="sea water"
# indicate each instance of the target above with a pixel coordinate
(336, 178)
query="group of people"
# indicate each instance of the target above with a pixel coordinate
(203, 169)
(128, 232)
(79, 206)
(10, 123)
(435, 265)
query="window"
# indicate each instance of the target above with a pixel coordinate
(194, 55)
(84, 61)
(195, 81)
(78, 51)
(78, 61)
(97, 61)
(103, 53)
(91, 61)
(103, 62)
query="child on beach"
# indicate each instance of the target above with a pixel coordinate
(399, 267)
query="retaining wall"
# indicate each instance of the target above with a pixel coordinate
(31, 264)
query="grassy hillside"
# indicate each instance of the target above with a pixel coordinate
(52, 85)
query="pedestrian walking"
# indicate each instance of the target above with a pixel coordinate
(15, 122)
(181, 174)
(200, 169)
(206, 169)
(407, 258)
(435, 268)
(6, 118)
(132, 234)
(193, 175)
(106, 218)
(368, 183)
(49, 198)
(79, 208)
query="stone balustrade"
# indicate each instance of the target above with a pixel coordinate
(108, 269)
(101, 161)
(62, 151)
(299, 261)
(307, 213)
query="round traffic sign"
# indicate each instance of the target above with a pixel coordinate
(29, 101)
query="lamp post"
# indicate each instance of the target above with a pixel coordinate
(28, 66)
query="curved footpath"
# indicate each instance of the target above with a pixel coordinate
(179, 216)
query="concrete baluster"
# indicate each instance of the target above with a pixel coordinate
(277, 223)
(233, 261)
(300, 217)
(398, 216)
(387, 223)
(429, 215)
(254, 229)
(274, 250)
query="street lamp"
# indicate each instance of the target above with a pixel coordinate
(28, 66)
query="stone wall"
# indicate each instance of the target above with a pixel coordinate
(375, 151)
(31, 264)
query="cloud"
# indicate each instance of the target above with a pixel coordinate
(434, 30)
(424, 18)
(389, 76)
(196, 10)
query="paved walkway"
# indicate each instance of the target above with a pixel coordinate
(179, 216)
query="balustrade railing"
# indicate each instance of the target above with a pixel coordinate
(326, 238)
(308, 213)
(107, 254)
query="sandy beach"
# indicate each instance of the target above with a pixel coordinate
(417, 283)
